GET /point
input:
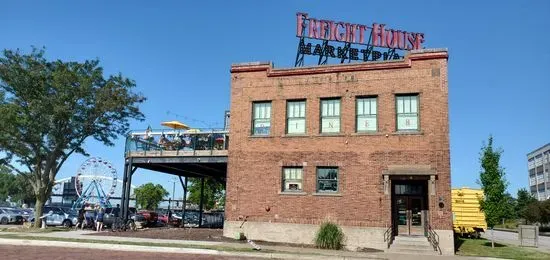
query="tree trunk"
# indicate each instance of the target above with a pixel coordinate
(492, 238)
(38, 207)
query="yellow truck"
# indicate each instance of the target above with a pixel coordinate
(468, 220)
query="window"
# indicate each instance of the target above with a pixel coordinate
(366, 115)
(407, 112)
(296, 117)
(261, 124)
(327, 179)
(330, 115)
(292, 179)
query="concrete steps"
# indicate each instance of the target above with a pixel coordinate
(412, 245)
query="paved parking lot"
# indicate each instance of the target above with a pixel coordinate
(59, 253)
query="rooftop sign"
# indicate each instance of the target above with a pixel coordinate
(377, 35)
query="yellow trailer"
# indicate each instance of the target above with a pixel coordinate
(468, 220)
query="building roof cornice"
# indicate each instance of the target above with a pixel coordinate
(424, 54)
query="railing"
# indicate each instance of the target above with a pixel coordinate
(388, 236)
(194, 142)
(433, 238)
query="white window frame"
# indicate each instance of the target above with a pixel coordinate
(261, 114)
(296, 117)
(293, 176)
(336, 180)
(407, 111)
(366, 111)
(330, 110)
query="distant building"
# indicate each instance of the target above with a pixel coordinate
(538, 163)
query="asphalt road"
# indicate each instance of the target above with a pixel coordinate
(512, 238)
(60, 253)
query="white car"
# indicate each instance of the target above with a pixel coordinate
(9, 216)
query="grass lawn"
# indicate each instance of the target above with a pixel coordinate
(33, 230)
(482, 247)
(212, 247)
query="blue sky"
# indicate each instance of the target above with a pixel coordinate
(180, 52)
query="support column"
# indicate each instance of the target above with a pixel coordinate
(123, 197)
(126, 189)
(201, 202)
(184, 202)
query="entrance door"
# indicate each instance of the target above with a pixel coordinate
(409, 217)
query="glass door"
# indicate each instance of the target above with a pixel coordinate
(408, 215)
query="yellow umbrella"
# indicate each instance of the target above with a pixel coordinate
(175, 125)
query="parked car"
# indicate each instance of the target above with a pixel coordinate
(112, 213)
(151, 217)
(56, 216)
(9, 216)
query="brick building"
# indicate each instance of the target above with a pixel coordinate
(365, 145)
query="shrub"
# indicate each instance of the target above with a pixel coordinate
(329, 236)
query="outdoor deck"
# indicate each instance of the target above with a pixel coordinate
(177, 143)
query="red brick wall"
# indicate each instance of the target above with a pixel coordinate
(255, 163)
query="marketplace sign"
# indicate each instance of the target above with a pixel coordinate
(376, 35)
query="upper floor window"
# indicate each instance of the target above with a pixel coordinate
(407, 112)
(296, 117)
(330, 115)
(261, 118)
(292, 179)
(366, 114)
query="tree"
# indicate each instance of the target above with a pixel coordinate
(49, 108)
(213, 193)
(524, 199)
(493, 183)
(510, 207)
(149, 195)
(14, 186)
(8, 186)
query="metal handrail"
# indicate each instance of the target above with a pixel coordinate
(177, 140)
(388, 236)
(433, 238)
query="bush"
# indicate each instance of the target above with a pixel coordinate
(329, 236)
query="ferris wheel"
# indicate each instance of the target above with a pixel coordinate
(95, 182)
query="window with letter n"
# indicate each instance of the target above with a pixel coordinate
(327, 179)
(261, 118)
(330, 115)
(366, 114)
(296, 117)
(407, 112)
(292, 179)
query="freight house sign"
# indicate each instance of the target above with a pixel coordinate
(386, 41)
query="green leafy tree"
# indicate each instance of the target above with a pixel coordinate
(532, 213)
(150, 195)
(214, 193)
(8, 187)
(510, 207)
(14, 186)
(524, 199)
(493, 183)
(48, 109)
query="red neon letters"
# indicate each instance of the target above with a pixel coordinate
(356, 33)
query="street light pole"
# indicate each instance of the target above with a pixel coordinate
(173, 181)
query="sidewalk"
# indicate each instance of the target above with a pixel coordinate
(155, 245)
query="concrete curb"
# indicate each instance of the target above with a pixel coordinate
(176, 250)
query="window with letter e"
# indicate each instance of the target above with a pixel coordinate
(296, 117)
(292, 179)
(327, 179)
(366, 114)
(261, 118)
(330, 116)
(407, 112)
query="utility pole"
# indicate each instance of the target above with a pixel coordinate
(173, 180)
